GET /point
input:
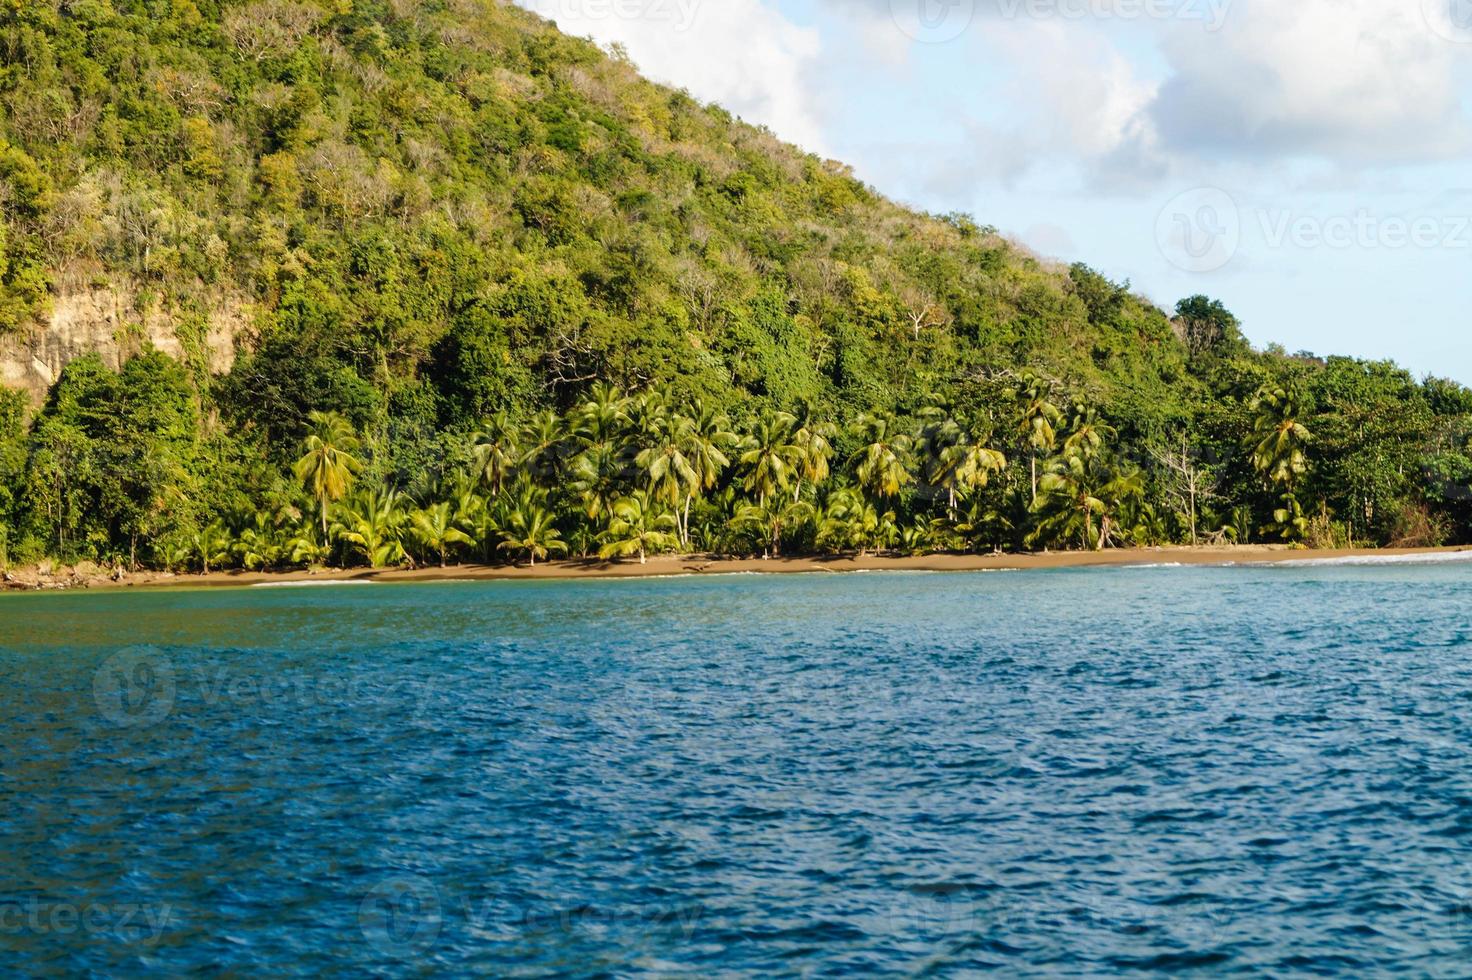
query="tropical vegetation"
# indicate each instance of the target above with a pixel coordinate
(492, 296)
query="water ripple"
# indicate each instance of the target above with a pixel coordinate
(1235, 770)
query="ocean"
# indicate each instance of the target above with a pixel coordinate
(1107, 772)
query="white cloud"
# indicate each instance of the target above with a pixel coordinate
(1130, 99)
(1070, 100)
(740, 53)
(1087, 96)
(1356, 81)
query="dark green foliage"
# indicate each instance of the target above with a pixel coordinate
(269, 394)
(479, 368)
(111, 455)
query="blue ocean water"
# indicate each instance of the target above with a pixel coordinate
(1260, 771)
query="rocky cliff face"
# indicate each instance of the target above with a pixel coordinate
(106, 322)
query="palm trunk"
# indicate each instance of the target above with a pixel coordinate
(1034, 459)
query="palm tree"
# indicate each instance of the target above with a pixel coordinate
(915, 539)
(939, 431)
(1037, 418)
(595, 478)
(982, 523)
(1087, 432)
(603, 417)
(954, 460)
(1278, 438)
(814, 441)
(770, 457)
(542, 440)
(643, 414)
(882, 463)
(1076, 490)
(639, 527)
(1289, 519)
(327, 466)
(707, 439)
(494, 452)
(306, 548)
(434, 528)
(771, 518)
(1142, 524)
(465, 503)
(670, 473)
(211, 545)
(258, 545)
(851, 521)
(1124, 491)
(372, 523)
(1069, 502)
(479, 520)
(964, 467)
(530, 531)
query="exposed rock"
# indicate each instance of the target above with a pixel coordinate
(104, 321)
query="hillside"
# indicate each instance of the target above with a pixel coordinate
(373, 183)
(418, 214)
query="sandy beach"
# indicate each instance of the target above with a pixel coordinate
(30, 579)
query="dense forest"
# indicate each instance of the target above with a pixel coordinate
(504, 299)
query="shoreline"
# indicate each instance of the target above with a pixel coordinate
(667, 566)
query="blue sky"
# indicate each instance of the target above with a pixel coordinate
(1305, 161)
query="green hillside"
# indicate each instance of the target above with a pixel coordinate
(443, 217)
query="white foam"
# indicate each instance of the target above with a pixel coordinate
(1430, 558)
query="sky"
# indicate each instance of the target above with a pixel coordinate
(1304, 161)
